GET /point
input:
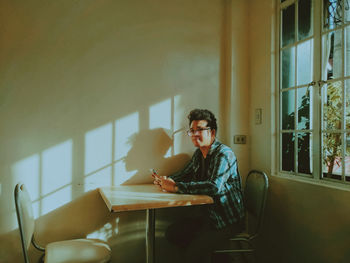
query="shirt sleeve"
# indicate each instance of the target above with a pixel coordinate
(225, 165)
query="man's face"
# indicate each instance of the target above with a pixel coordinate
(201, 136)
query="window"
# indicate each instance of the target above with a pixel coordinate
(314, 89)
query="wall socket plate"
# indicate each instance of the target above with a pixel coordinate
(240, 139)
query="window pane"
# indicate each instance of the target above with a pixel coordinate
(332, 55)
(288, 111)
(347, 158)
(288, 68)
(303, 102)
(304, 153)
(304, 63)
(347, 11)
(347, 104)
(304, 19)
(288, 152)
(332, 160)
(347, 51)
(332, 105)
(332, 13)
(288, 25)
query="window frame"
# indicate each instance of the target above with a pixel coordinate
(316, 111)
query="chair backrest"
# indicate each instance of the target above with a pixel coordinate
(255, 193)
(25, 217)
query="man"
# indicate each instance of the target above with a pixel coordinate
(212, 171)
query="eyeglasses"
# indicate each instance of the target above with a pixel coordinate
(191, 132)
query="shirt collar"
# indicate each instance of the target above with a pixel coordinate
(213, 146)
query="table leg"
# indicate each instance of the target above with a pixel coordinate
(150, 235)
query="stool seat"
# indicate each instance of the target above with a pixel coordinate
(77, 250)
(67, 251)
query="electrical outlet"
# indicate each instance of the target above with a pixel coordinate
(240, 139)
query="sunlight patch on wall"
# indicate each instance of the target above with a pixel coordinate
(98, 148)
(180, 116)
(56, 176)
(27, 171)
(47, 177)
(99, 178)
(124, 128)
(57, 167)
(160, 115)
(56, 199)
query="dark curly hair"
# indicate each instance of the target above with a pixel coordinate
(199, 114)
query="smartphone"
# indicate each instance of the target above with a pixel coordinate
(153, 171)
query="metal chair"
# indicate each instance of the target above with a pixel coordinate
(255, 193)
(77, 250)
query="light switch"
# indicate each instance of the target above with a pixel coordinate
(258, 116)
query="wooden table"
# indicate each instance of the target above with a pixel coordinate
(147, 197)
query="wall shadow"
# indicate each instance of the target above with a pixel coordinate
(149, 150)
(76, 219)
(70, 220)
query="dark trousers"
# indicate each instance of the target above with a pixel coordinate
(197, 239)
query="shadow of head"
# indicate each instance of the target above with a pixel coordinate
(150, 149)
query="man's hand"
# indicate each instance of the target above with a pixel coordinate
(156, 178)
(164, 182)
(168, 184)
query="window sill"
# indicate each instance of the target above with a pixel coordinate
(323, 183)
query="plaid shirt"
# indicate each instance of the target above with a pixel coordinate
(217, 176)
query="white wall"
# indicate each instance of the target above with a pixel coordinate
(96, 92)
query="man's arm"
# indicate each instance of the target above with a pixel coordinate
(225, 165)
(168, 183)
(183, 175)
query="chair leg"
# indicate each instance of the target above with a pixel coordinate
(41, 259)
(253, 257)
(242, 256)
(236, 258)
(249, 257)
(246, 257)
